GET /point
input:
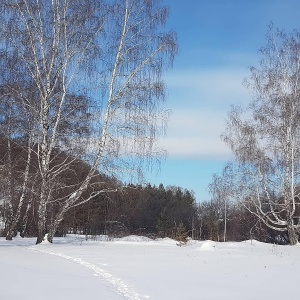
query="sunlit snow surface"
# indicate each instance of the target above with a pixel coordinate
(137, 268)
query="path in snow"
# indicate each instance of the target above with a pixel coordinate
(29, 275)
(117, 283)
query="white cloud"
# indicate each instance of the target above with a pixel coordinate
(196, 134)
(216, 88)
(200, 101)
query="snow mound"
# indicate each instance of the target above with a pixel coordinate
(208, 245)
(45, 241)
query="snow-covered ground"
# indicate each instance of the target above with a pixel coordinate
(137, 268)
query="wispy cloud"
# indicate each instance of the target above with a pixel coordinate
(200, 102)
(196, 134)
(217, 88)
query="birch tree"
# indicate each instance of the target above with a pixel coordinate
(16, 149)
(107, 58)
(135, 54)
(222, 190)
(51, 40)
(265, 140)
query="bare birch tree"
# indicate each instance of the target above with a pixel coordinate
(266, 141)
(222, 190)
(16, 141)
(119, 47)
(132, 91)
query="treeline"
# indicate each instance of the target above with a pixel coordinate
(171, 211)
(135, 209)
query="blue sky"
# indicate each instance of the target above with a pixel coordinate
(218, 41)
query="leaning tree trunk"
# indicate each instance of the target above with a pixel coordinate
(17, 214)
(53, 228)
(293, 237)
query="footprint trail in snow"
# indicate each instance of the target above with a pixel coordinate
(117, 283)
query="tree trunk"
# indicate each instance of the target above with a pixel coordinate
(40, 236)
(293, 237)
(9, 234)
(50, 236)
(52, 231)
(41, 223)
(11, 230)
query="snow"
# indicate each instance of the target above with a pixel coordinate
(208, 245)
(137, 268)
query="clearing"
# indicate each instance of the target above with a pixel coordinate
(137, 268)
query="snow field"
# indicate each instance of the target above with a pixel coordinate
(136, 268)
